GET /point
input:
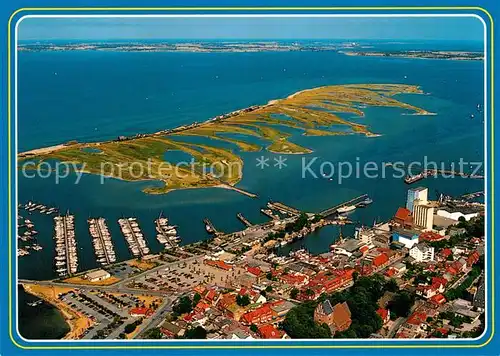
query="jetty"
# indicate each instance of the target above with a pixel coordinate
(134, 236)
(244, 220)
(209, 227)
(269, 213)
(101, 239)
(239, 190)
(66, 260)
(283, 208)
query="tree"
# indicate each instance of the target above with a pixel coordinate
(392, 285)
(196, 298)
(154, 333)
(269, 289)
(196, 333)
(242, 300)
(129, 328)
(254, 328)
(402, 303)
(185, 305)
(294, 293)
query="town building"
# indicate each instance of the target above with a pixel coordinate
(171, 330)
(97, 276)
(408, 238)
(348, 247)
(423, 214)
(422, 252)
(403, 218)
(338, 318)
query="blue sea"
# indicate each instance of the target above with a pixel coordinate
(97, 95)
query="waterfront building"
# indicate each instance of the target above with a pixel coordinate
(422, 252)
(403, 218)
(348, 247)
(365, 236)
(96, 276)
(456, 214)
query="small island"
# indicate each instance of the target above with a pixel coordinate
(313, 111)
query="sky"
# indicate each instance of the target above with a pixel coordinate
(381, 28)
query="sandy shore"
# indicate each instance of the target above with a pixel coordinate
(41, 151)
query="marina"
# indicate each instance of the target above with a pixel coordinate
(167, 234)
(101, 239)
(134, 236)
(66, 260)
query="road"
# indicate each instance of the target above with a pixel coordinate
(118, 287)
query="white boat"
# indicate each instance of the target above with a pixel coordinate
(346, 209)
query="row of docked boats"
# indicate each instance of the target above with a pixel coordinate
(27, 237)
(101, 239)
(43, 209)
(167, 234)
(134, 236)
(66, 260)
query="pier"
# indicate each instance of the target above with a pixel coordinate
(239, 190)
(244, 220)
(66, 257)
(333, 210)
(269, 213)
(284, 209)
(135, 239)
(473, 195)
(210, 228)
(101, 239)
(409, 179)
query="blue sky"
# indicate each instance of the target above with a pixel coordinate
(416, 28)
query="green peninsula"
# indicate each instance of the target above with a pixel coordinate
(315, 111)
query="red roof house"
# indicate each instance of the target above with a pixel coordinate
(268, 331)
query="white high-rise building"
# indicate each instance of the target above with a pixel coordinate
(419, 193)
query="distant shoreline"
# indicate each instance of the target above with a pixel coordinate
(445, 55)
